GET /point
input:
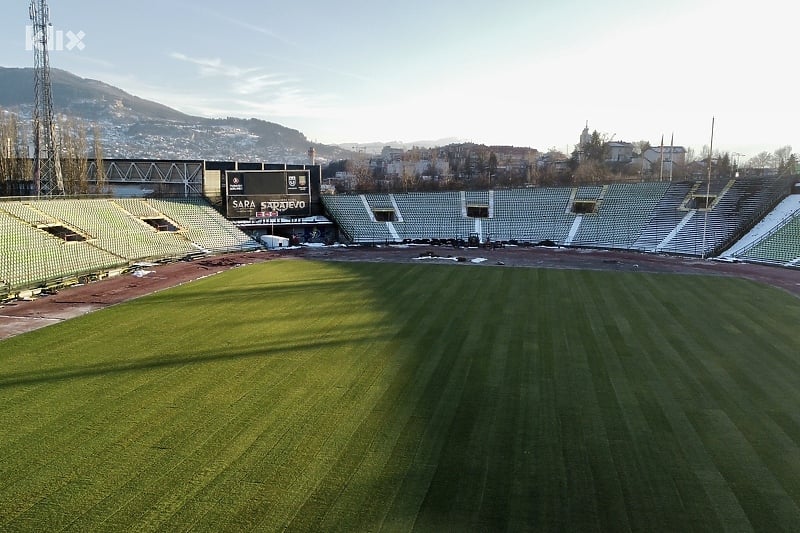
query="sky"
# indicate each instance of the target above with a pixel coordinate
(507, 72)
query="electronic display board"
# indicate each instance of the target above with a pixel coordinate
(268, 193)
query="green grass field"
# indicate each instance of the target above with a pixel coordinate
(319, 396)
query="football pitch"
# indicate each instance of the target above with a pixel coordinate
(320, 396)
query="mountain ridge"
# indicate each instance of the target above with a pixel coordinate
(375, 147)
(134, 127)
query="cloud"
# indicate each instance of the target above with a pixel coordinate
(243, 81)
(285, 103)
(217, 16)
(290, 58)
(260, 83)
(209, 67)
(291, 102)
(251, 91)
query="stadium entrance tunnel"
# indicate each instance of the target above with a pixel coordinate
(63, 232)
(478, 211)
(584, 207)
(384, 215)
(160, 224)
(703, 201)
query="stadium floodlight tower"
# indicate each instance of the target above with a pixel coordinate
(46, 164)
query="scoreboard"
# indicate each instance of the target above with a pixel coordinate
(267, 193)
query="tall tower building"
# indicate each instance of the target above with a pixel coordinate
(585, 139)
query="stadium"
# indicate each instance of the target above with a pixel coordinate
(228, 348)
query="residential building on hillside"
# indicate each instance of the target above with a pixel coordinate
(672, 155)
(392, 154)
(619, 152)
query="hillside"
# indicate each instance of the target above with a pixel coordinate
(134, 127)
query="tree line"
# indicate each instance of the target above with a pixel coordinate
(74, 146)
(472, 166)
(593, 163)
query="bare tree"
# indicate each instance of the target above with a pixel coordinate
(359, 169)
(640, 147)
(73, 146)
(762, 160)
(99, 164)
(8, 142)
(782, 155)
(15, 163)
(589, 173)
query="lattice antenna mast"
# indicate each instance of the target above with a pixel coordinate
(46, 163)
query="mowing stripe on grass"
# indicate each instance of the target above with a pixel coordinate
(342, 396)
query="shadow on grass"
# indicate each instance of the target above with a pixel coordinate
(506, 404)
(190, 294)
(164, 361)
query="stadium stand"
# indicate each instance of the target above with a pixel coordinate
(27, 213)
(110, 228)
(203, 225)
(432, 216)
(55, 242)
(531, 215)
(737, 205)
(588, 192)
(774, 240)
(623, 211)
(52, 242)
(476, 197)
(355, 219)
(781, 247)
(688, 218)
(664, 218)
(379, 201)
(33, 257)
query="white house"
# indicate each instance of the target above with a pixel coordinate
(619, 152)
(671, 155)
